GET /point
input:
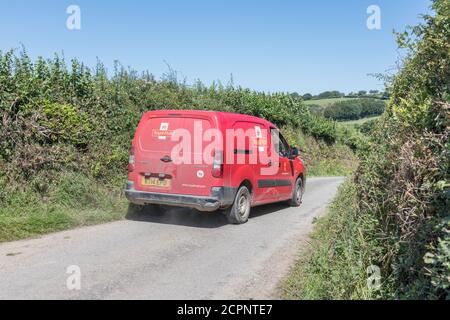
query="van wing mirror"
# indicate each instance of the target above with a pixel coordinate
(294, 152)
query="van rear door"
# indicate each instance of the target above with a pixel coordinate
(158, 170)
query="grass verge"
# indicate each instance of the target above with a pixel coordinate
(334, 266)
(71, 200)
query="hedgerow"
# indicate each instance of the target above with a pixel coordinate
(55, 116)
(64, 121)
(400, 195)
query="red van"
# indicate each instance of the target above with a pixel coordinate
(212, 161)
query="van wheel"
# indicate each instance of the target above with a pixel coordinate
(297, 194)
(240, 210)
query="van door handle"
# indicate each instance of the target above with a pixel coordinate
(166, 159)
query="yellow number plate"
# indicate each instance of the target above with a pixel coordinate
(156, 182)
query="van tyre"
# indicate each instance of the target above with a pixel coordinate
(297, 194)
(240, 210)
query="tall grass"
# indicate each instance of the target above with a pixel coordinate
(334, 266)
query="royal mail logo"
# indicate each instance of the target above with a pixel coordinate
(156, 133)
(259, 142)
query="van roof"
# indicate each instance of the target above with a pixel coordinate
(229, 116)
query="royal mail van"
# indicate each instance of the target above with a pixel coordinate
(212, 161)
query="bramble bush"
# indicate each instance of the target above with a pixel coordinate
(58, 116)
(400, 194)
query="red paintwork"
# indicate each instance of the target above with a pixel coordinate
(148, 152)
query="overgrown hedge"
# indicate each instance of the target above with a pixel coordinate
(395, 213)
(404, 179)
(63, 122)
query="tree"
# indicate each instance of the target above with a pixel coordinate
(307, 96)
(330, 94)
(295, 95)
(354, 109)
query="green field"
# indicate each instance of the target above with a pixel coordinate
(326, 102)
(359, 121)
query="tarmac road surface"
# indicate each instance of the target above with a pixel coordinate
(181, 254)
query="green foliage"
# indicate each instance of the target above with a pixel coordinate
(316, 109)
(56, 201)
(66, 131)
(106, 163)
(321, 158)
(418, 182)
(322, 129)
(62, 122)
(57, 117)
(354, 109)
(329, 94)
(307, 96)
(399, 197)
(339, 254)
(366, 127)
(437, 259)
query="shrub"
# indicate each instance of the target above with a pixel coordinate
(63, 123)
(395, 213)
(354, 109)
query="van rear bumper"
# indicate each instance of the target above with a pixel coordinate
(221, 197)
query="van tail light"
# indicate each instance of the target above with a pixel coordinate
(131, 160)
(217, 167)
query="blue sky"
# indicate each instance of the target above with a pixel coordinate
(277, 45)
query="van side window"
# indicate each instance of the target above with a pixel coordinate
(279, 143)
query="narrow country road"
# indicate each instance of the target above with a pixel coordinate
(179, 255)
